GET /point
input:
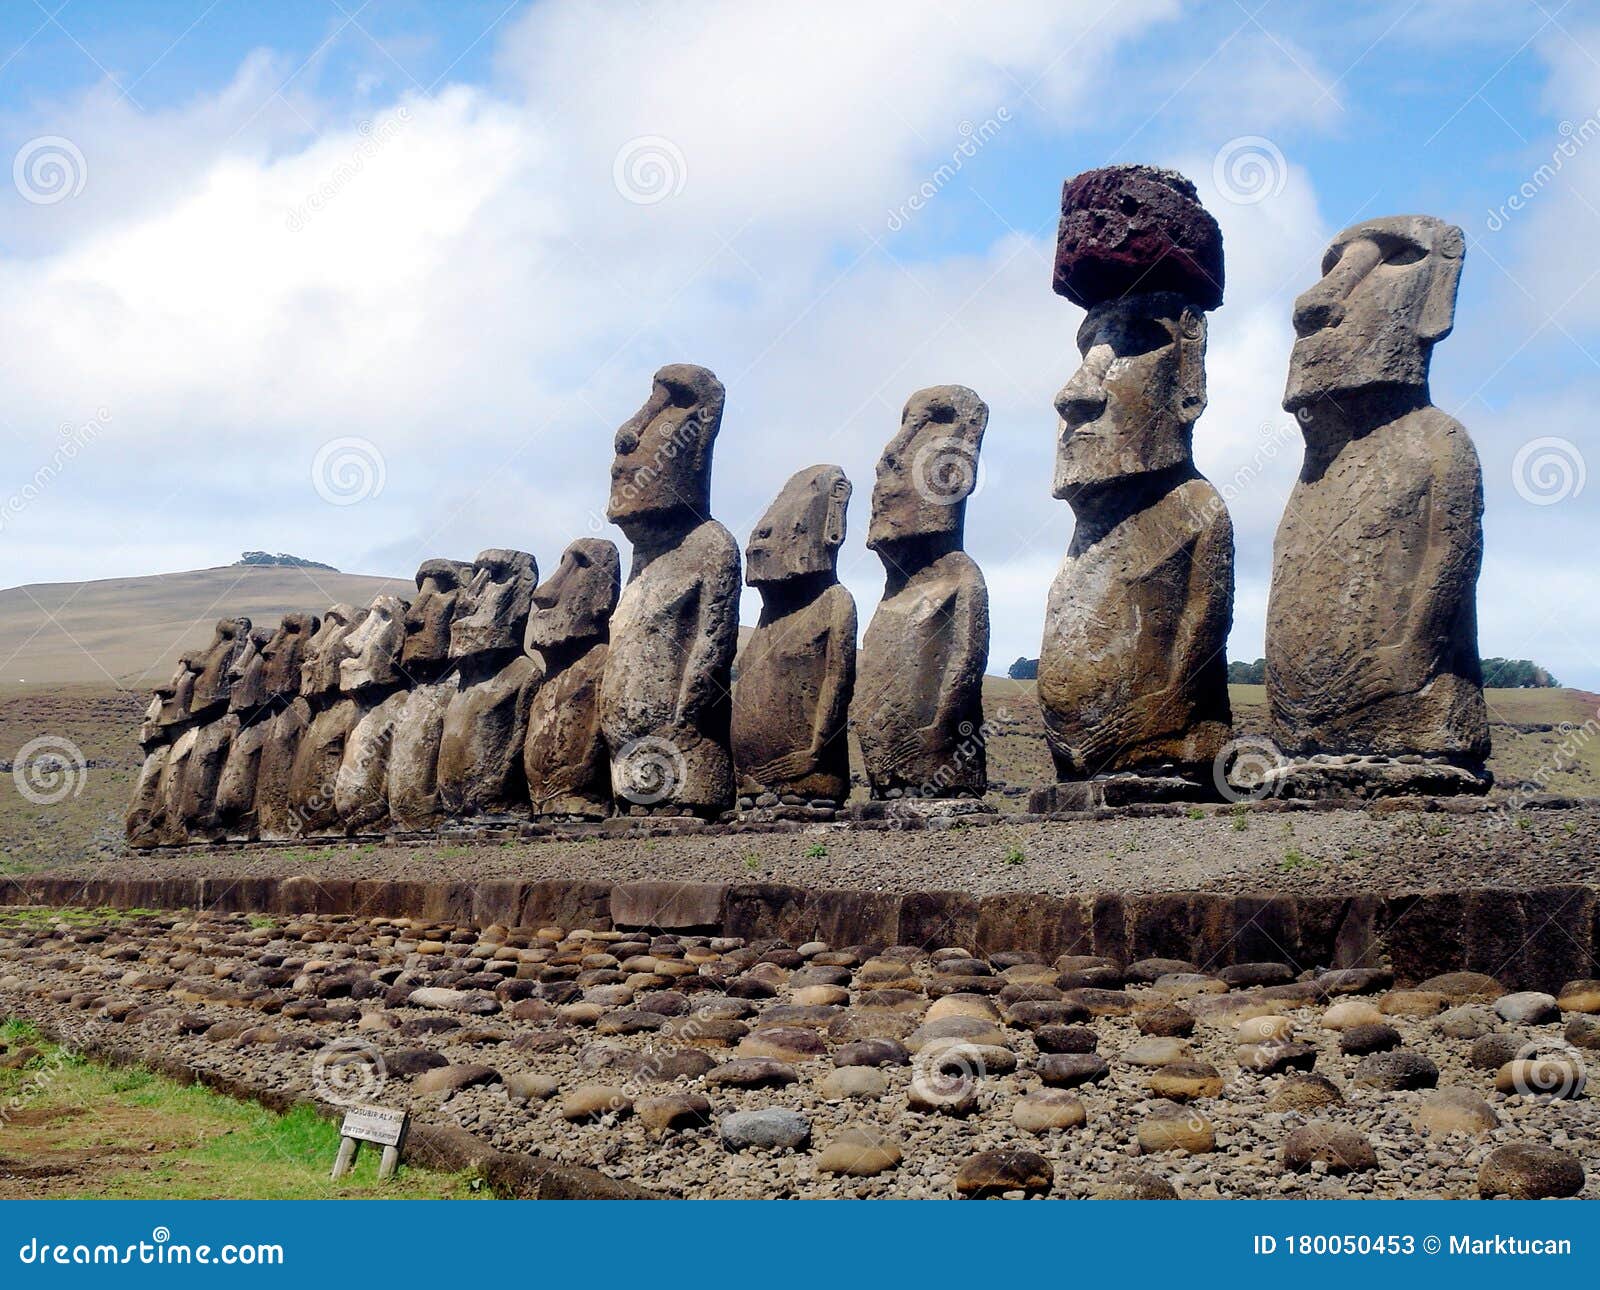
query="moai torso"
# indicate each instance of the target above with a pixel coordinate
(796, 672)
(918, 708)
(564, 757)
(332, 716)
(371, 677)
(283, 661)
(149, 822)
(1372, 622)
(1134, 673)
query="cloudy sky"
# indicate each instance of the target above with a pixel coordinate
(377, 282)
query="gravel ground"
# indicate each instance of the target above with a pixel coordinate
(518, 1005)
(1218, 849)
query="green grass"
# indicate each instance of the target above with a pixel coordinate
(125, 1132)
(816, 851)
(1293, 859)
(1016, 856)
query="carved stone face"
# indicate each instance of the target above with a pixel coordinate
(663, 453)
(802, 530)
(428, 618)
(375, 647)
(283, 657)
(247, 689)
(575, 602)
(319, 674)
(211, 686)
(1132, 404)
(1387, 295)
(177, 695)
(930, 467)
(494, 605)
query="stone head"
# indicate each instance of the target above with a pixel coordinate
(930, 467)
(802, 531)
(284, 655)
(662, 466)
(211, 686)
(176, 697)
(247, 689)
(493, 611)
(374, 647)
(329, 648)
(1131, 406)
(1387, 295)
(575, 602)
(440, 584)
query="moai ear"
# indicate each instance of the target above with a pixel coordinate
(1444, 263)
(1192, 362)
(838, 503)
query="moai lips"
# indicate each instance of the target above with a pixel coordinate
(796, 672)
(919, 690)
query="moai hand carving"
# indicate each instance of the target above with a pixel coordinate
(665, 703)
(569, 630)
(486, 720)
(413, 787)
(1133, 667)
(1372, 640)
(919, 693)
(796, 672)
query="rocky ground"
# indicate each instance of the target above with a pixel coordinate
(1261, 848)
(710, 1067)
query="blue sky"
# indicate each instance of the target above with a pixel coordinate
(407, 231)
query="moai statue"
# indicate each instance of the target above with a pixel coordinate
(413, 794)
(1374, 685)
(1133, 679)
(282, 668)
(249, 706)
(216, 728)
(569, 630)
(152, 820)
(797, 670)
(665, 704)
(332, 716)
(919, 693)
(486, 722)
(371, 677)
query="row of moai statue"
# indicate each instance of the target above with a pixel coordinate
(493, 696)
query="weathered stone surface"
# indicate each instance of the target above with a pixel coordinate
(1372, 620)
(1177, 1129)
(1134, 1184)
(480, 766)
(1343, 1150)
(919, 693)
(860, 1151)
(214, 669)
(569, 632)
(772, 1128)
(994, 1173)
(796, 671)
(1130, 229)
(665, 695)
(1527, 1008)
(1527, 1171)
(414, 756)
(1046, 1110)
(361, 788)
(1397, 1070)
(1454, 1110)
(1132, 670)
(320, 749)
(1305, 1092)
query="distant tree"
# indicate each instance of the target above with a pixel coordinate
(281, 560)
(1248, 673)
(1516, 674)
(1024, 669)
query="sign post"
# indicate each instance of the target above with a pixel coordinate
(377, 1124)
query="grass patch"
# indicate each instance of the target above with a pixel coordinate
(78, 1128)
